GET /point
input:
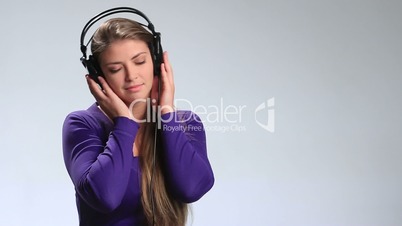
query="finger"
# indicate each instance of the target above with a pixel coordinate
(167, 76)
(168, 67)
(155, 89)
(94, 88)
(163, 71)
(106, 88)
(166, 81)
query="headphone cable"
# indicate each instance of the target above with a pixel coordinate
(154, 155)
(152, 177)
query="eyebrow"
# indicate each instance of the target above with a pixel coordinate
(132, 58)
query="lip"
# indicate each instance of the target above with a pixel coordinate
(135, 88)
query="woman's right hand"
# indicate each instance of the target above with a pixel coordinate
(108, 101)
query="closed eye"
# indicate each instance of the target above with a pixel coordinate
(114, 70)
(140, 62)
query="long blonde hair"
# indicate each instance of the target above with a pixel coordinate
(159, 206)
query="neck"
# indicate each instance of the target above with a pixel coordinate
(139, 111)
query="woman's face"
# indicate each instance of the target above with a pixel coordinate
(128, 69)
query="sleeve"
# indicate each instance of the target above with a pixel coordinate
(189, 173)
(100, 173)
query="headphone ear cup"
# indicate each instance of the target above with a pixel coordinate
(93, 69)
(157, 54)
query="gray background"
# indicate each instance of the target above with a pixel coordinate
(333, 67)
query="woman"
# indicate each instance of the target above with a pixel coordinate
(109, 148)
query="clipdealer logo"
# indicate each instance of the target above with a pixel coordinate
(224, 117)
(220, 117)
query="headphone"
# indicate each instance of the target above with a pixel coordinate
(91, 64)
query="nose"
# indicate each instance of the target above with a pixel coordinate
(131, 73)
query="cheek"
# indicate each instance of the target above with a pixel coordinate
(149, 71)
(150, 82)
(150, 66)
(113, 82)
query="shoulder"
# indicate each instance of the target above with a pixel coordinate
(91, 118)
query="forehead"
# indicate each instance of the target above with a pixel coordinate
(124, 49)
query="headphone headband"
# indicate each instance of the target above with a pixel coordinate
(109, 12)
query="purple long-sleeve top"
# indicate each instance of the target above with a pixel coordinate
(98, 155)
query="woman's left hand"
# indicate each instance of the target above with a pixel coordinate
(166, 98)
